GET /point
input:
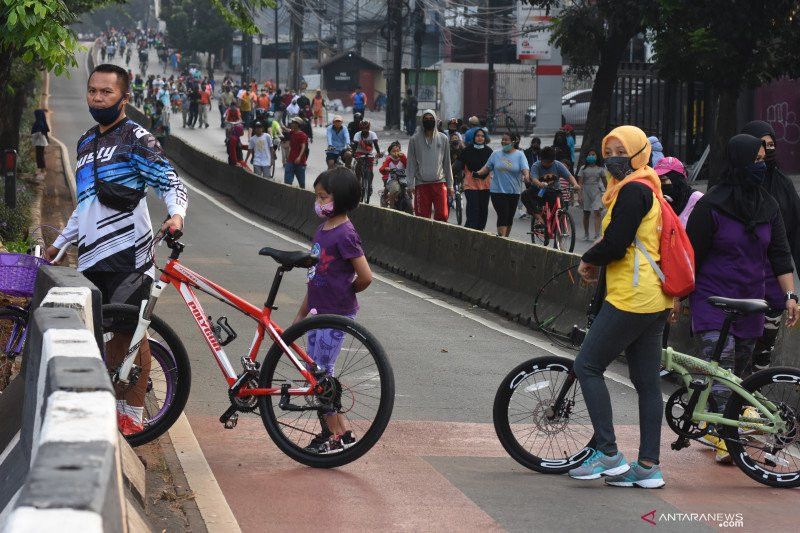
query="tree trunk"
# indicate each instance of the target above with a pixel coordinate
(12, 103)
(602, 90)
(724, 128)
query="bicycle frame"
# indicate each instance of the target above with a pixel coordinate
(185, 282)
(684, 365)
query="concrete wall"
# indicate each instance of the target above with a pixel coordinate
(64, 471)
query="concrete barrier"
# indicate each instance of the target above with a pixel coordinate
(63, 470)
(501, 275)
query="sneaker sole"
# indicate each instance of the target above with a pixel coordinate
(643, 484)
(612, 472)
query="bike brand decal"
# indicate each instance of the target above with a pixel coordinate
(785, 378)
(519, 378)
(204, 326)
(196, 280)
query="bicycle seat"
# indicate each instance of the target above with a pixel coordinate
(744, 307)
(290, 259)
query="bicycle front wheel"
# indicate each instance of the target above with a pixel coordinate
(769, 458)
(359, 401)
(564, 233)
(541, 418)
(169, 377)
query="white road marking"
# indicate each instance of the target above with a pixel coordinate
(210, 500)
(399, 285)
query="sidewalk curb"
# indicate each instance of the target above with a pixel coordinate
(210, 500)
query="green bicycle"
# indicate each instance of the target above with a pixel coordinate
(541, 419)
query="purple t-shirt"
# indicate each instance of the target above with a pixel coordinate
(330, 282)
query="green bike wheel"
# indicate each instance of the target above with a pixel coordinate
(771, 459)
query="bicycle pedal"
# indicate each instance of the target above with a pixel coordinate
(680, 444)
(232, 421)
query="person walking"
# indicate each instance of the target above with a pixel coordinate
(295, 165)
(592, 179)
(39, 132)
(677, 191)
(359, 98)
(259, 150)
(410, 107)
(738, 237)
(113, 230)
(204, 105)
(318, 108)
(632, 316)
(226, 98)
(782, 189)
(430, 177)
(474, 125)
(194, 104)
(657, 153)
(476, 188)
(510, 170)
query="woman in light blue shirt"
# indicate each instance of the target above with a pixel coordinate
(509, 168)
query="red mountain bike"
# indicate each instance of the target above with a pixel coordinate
(294, 394)
(558, 225)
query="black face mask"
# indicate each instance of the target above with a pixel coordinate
(107, 115)
(668, 190)
(428, 123)
(620, 166)
(769, 155)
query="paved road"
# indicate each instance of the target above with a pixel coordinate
(439, 465)
(211, 141)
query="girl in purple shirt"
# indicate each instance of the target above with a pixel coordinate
(341, 272)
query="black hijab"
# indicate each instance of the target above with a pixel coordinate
(39, 122)
(681, 191)
(782, 189)
(736, 195)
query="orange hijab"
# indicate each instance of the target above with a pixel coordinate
(635, 142)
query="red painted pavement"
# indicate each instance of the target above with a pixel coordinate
(394, 488)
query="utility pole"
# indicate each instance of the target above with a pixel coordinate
(277, 55)
(395, 39)
(419, 36)
(355, 29)
(296, 52)
(490, 60)
(340, 28)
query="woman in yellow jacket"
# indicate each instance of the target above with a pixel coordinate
(632, 316)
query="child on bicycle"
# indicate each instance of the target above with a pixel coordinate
(396, 160)
(546, 175)
(342, 271)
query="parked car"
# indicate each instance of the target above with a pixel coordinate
(574, 108)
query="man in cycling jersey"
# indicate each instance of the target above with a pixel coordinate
(117, 160)
(338, 139)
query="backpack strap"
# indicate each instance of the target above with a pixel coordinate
(639, 246)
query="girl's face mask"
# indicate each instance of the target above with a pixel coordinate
(323, 210)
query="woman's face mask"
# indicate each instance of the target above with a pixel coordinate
(756, 172)
(590, 159)
(508, 147)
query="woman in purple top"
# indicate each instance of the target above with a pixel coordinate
(341, 272)
(735, 230)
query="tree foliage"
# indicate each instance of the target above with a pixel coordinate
(741, 46)
(195, 26)
(592, 36)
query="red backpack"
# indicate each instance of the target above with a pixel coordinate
(676, 270)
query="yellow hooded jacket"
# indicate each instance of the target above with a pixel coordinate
(646, 295)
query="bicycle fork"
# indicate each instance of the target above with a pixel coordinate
(128, 370)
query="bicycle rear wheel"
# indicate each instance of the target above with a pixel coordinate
(541, 418)
(564, 235)
(362, 390)
(771, 459)
(169, 379)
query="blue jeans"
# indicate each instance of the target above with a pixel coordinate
(292, 170)
(639, 335)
